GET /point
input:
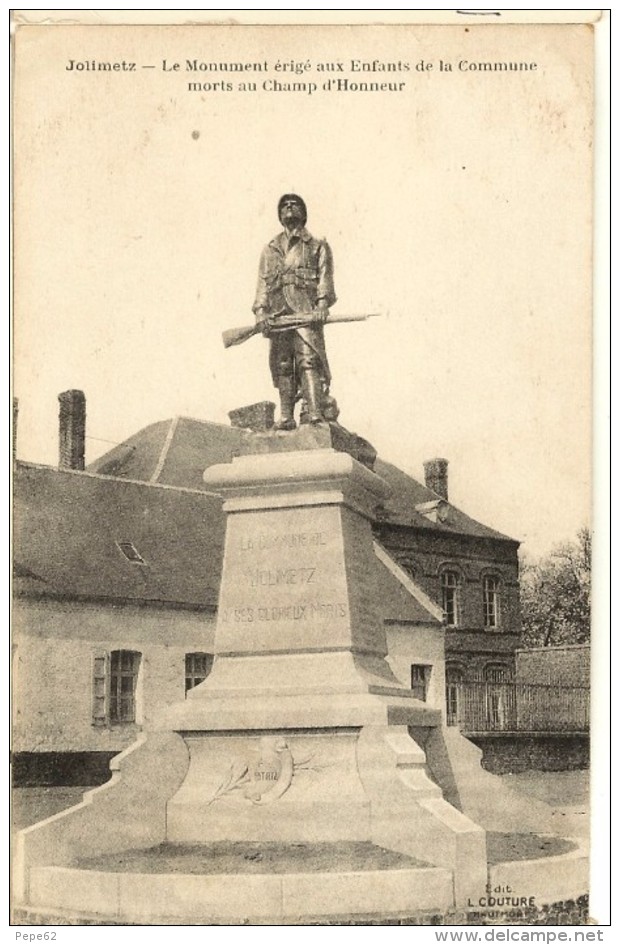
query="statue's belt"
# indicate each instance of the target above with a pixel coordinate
(301, 278)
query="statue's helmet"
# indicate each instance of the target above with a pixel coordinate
(287, 197)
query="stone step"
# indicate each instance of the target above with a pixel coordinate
(153, 898)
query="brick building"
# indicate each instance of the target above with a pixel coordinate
(470, 570)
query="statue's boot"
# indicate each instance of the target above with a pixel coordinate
(313, 395)
(286, 387)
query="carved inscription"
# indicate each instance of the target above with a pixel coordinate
(291, 575)
(287, 540)
(267, 772)
(278, 576)
(314, 611)
(264, 776)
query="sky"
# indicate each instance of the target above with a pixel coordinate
(459, 208)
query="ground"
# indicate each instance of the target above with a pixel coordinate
(566, 791)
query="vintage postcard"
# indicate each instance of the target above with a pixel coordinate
(303, 469)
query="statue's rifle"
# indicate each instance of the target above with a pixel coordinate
(236, 336)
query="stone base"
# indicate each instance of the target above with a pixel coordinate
(326, 435)
(292, 786)
(321, 691)
(548, 879)
(255, 417)
(364, 784)
(154, 899)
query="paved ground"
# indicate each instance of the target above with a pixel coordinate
(29, 805)
(568, 792)
(558, 788)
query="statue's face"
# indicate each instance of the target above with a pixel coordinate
(291, 214)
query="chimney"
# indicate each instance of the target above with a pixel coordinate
(15, 418)
(436, 476)
(71, 429)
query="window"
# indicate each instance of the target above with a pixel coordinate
(490, 599)
(497, 672)
(419, 681)
(449, 597)
(454, 680)
(197, 668)
(115, 681)
(500, 697)
(124, 667)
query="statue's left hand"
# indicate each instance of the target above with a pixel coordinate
(320, 313)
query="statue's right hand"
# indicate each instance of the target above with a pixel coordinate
(262, 321)
(266, 325)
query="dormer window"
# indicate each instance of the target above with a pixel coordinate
(129, 550)
(437, 510)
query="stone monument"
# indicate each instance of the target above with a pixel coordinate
(301, 737)
(301, 732)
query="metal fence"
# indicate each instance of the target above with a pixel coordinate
(517, 707)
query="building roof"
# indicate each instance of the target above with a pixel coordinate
(173, 452)
(80, 535)
(71, 528)
(177, 452)
(407, 493)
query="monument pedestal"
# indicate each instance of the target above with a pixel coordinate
(300, 733)
(300, 736)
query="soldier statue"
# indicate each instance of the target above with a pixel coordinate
(296, 275)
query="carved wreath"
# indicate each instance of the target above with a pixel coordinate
(267, 775)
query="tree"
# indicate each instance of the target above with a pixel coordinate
(555, 595)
